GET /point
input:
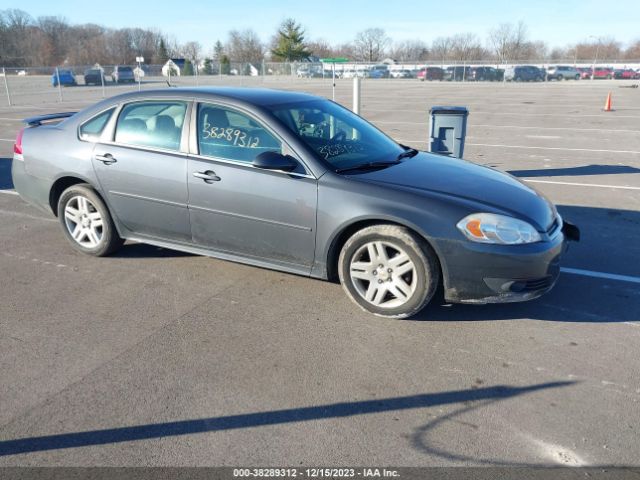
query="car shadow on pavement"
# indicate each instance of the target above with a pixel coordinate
(575, 171)
(143, 250)
(260, 419)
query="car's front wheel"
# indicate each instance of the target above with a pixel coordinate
(86, 221)
(388, 271)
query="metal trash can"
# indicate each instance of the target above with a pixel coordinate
(447, 130)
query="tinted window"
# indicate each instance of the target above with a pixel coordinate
(151, 124)
(336, 134)
(228, 134)
(92, 129)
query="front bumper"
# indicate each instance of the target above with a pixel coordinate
(482, 273)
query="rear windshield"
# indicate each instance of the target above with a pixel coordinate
(124, 69)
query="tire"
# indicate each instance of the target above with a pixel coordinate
(80, 209)
(392, 295)
(559, 78)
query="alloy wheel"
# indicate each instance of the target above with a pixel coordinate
(383, 274)
(83, 221)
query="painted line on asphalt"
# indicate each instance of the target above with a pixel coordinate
(26, 215)
(7, 140)
(519, 114)
(608, 276)
(527, 127)
(525, 147)
(9, 192)
(576, 184)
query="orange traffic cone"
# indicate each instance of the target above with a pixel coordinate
(607, 104)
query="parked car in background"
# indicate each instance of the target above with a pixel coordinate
(602, 73)
(562, 72)
(625, 74)
(483, 74)
(585, 73)
(379, 71)
(524, 73)
(457, 74)
(123, 74)
(352, 73)
(295, 185)
(65, 76)
(94, 76)
(430, 73)
(310, 71)
(404, 73)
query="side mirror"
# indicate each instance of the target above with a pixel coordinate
(275, 161)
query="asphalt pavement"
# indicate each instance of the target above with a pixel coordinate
(156, 357)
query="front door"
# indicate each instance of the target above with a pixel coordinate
(239, 209)
(143, 171)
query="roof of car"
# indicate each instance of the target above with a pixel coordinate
(255, 96)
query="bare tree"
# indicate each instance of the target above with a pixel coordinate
(508, 41)
(245, 46)
(192, 51)
(466, 47)
(410, 50)
(441, 48)
(633, 51)
(370, 44)
(321, 48)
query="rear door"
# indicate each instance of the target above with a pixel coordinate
(142, 168)
(237, 208)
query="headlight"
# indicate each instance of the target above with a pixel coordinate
(500, 229)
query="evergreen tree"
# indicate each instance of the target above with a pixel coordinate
(163, 53)
(225, 65)
(208, 66)
(218, 51)
(289, 42)
(187, 70)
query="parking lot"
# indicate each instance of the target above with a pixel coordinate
(155, 357)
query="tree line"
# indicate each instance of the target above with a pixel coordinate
(49, 41)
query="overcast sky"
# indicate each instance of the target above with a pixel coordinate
(557, 22)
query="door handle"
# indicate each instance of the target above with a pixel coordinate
(107, 158)
(208, 176)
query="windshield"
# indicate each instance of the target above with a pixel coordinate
(336, 134)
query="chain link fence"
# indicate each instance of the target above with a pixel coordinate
(39, 85)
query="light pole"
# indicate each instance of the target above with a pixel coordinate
(595, 59)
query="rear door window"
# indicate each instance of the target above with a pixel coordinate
(151, 124)
(92, 129)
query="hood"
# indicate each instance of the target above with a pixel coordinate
(466, 180)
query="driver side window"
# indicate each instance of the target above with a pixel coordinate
(229, 134)
(313, 123)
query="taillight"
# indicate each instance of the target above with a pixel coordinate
(17, 147)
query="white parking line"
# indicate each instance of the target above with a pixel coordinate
(524, 127)
(9, 192)
(564, 149)
(518, 114)
(608, 276)
(7, 140)
(575, 184)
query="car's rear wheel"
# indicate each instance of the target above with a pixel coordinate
(388, 271)
(86, 221)
(560, 78)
